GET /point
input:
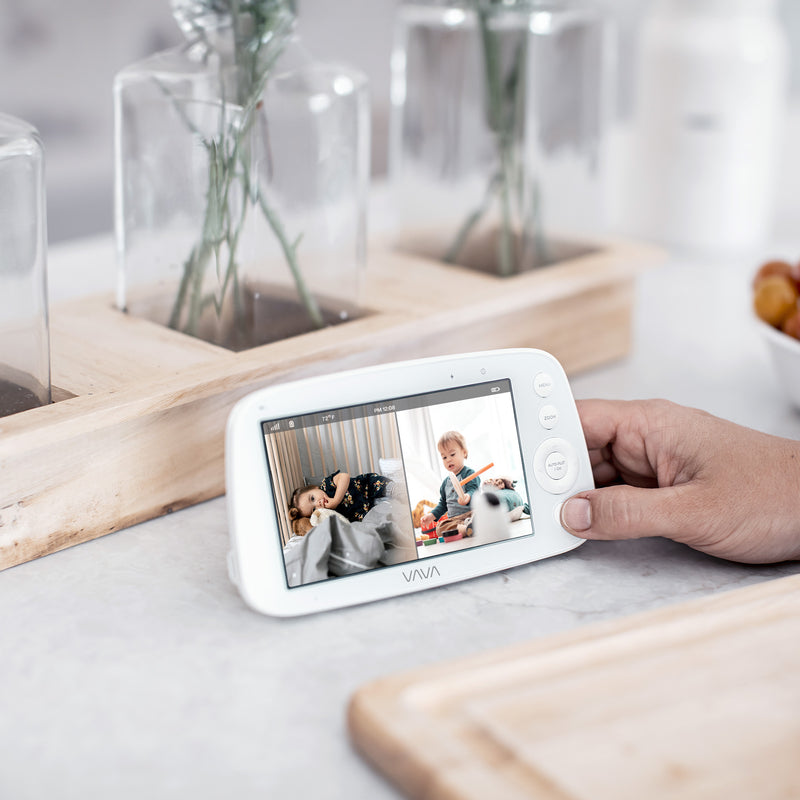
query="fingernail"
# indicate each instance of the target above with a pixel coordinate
(577, 514)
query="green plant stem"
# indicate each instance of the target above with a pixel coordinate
(199, 254)
(505, 244)
(229, 164)
(290, 254)
(505, 108)
(469, 223)
(290, 251)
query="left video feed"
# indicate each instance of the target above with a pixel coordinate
(340, 493)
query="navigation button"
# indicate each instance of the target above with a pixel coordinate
(556, 465)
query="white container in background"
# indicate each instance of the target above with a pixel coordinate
(24, 328)
(711, 98)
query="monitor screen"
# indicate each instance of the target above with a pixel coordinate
(374, 485)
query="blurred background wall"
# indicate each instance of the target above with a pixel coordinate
(58, 61)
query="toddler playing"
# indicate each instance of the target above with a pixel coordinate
(453, 450)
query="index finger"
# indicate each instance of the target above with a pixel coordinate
(602, 419)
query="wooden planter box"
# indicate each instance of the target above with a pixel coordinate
(137, 429)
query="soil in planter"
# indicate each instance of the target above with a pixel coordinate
(15, 398)
(480, 250)
(271, 314)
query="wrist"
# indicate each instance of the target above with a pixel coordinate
(779, 502)
(793, 493)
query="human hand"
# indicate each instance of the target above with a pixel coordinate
(683, 474)
(464, 500)
(426, 520)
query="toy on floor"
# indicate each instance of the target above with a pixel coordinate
(419, 510)
(425, 540)
(430, 529)
(428, 537)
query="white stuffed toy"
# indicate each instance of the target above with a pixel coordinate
(319, 514)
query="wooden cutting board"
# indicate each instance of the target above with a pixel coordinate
(700, 700)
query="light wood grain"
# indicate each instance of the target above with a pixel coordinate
(139, 427)
(695, 702)
(96, 348)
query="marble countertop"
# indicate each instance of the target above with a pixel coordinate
(132, 668)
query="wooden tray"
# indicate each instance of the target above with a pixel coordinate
(139, 427)
(696, 701)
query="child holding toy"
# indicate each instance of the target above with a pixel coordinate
(454, 497)
(351, 497)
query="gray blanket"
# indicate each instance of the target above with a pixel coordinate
(337, 547)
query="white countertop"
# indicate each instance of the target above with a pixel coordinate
(131, 668)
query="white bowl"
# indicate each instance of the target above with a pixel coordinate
(785, 351)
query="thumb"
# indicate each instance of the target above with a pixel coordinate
(626, 512)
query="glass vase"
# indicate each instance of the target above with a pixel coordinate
(24, 337)
(497, 136)
(240, 207)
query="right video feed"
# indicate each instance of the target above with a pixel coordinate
(462, 444)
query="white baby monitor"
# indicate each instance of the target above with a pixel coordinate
(366, 484)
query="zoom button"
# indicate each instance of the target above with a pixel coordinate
(548, 417)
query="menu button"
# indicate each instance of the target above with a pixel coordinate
(543, 384)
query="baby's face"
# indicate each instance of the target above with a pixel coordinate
(453, 456)
(311, 500)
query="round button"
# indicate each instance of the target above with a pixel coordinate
(543, 384)
(548, 417)
(556, 465)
